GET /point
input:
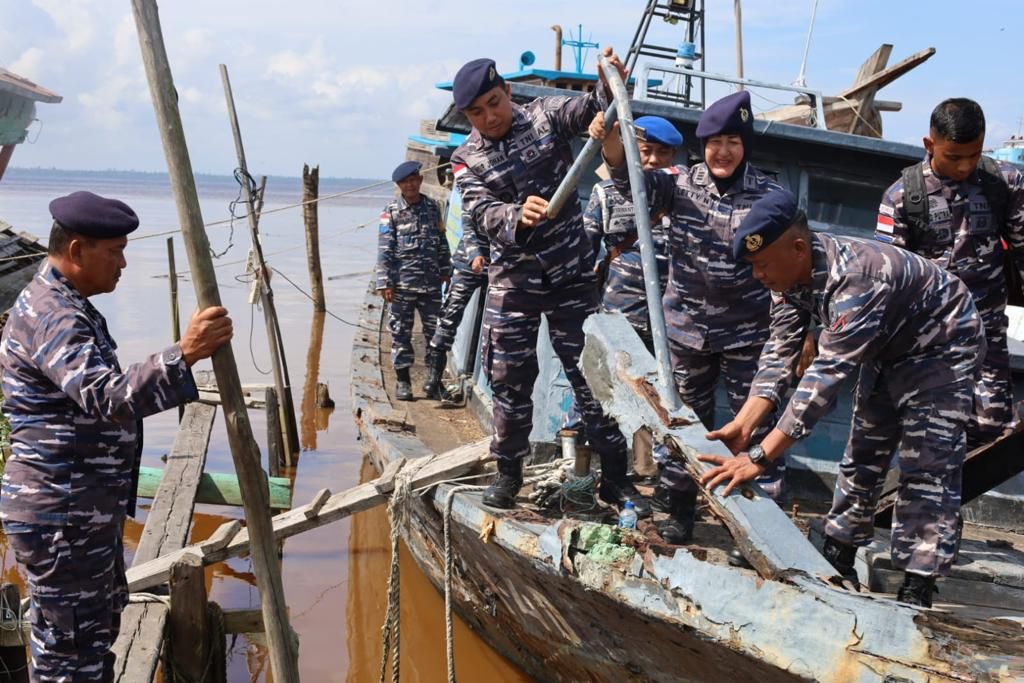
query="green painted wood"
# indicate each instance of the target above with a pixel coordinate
(216, 488)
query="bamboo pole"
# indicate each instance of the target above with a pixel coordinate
(277, 357)
(244, 451)
(310, 191)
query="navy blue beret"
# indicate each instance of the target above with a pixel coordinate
(730, 115)
(91, 215)
(473, 80)
(657, 129)
(404, 170)
(769, 217)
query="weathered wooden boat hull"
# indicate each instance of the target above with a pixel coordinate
(562, 616)
(20, 255)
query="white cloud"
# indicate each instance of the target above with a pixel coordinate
(74, 18)
(289, 64)
(29, 64)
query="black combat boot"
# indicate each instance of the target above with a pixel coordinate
(916, 590)
(616, 488)
(502, 493)
(678, 528)
(661, 501)
(841, 556)
(432, 388)
(403, 389)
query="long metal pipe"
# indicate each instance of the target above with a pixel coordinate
(738, 9)
(642, 217)
(567, 187)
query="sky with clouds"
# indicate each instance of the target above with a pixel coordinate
(342, 83)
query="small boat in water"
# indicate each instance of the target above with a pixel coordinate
(569, 597)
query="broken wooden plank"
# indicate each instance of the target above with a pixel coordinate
(137, 648)
(615, 363)
(243, 620)
(882, 78)
(423, 472)
(313, 508)
(188, 627)
(170, 516)
(221, 537)
(385, 483)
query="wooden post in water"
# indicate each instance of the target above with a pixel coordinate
(188, 626)
(172, 276)
(244, 451)
(310, 408)
(13, 659)
(310, 209)
(275, 439)
(277, 357)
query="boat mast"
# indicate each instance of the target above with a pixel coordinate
(738, 11)
(807, 46)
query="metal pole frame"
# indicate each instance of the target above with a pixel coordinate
(652, 283)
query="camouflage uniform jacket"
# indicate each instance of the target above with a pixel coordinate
(496, 176)
(712, 302)
(76, 417)
(473, 243)
(961, 236)
(412, 251)
(610, 222)
(876, 305)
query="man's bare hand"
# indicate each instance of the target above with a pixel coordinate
(534, 211)
(733, 434)
(477, 266)
(388, 294)
(730, 471)
(613, 59)
(208, 330)
(807, 354)
(596, 127)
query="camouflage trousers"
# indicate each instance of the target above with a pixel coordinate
(927, 429)
(76, 580)
(459, 293)
(697, 374)
(993, 391)
(400, 321)
(511, 322)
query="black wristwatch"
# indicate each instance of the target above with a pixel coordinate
(757, 456)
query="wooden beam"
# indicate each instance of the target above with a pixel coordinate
(423, 472)
(275, 434)
(220, 537)
(621, 373)
(170, 516)
(317, 504)
(887, 76)
(137, 648)
(244, 451)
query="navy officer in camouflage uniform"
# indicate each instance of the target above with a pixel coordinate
(76, 435)
(511, 163)
(715, 311)
(469, 263)
(413, 261)
(963, 234)
(912, 330)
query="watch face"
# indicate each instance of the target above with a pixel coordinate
(172, 356)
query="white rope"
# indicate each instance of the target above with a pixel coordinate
(449, 635)
(390, 632)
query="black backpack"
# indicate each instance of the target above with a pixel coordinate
(997, 194)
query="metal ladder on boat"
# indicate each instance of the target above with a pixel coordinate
(690, 49)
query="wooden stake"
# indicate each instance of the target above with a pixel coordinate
(188, 636)
(244, 451)
(309, 409)
(172, 278)
(277, 357)
(310, 192)
(275, 439)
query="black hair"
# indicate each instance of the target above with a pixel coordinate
(800, 224)
(958, 120)
(60, 239)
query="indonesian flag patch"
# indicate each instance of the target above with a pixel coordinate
(458, 169)
(884, 224)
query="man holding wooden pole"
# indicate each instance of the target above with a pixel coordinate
(76, 435)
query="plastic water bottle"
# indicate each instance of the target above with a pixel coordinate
(627, 518)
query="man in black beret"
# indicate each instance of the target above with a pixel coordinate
(510, 165)
(912, 330)
(76, 435)
(413, 262)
